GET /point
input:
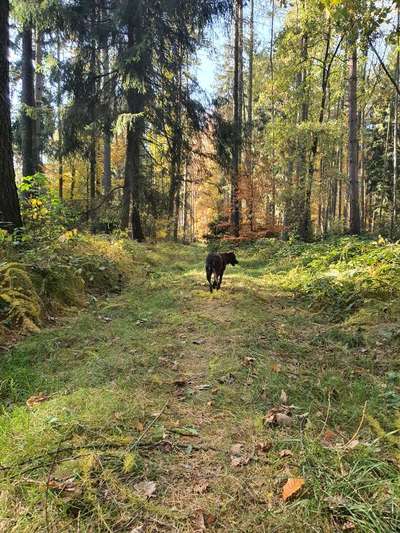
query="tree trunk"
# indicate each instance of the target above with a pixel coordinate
(93, 169)
(59, 125)
(107, 129)
(186, 205)
(39, 90)
(306, 225)
(135, 101)
(28, 104)
(271, 61)
(176, 153)
(304, 221)
(237, 121)
(354, 199)
(73, 180)
(249, 155)
(9, 204)
(393, 224)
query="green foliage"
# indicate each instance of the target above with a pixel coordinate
(45, 216)
(339, 276)
(19, 301)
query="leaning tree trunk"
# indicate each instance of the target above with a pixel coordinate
(9, 204)
(355, 222)
(28, 132)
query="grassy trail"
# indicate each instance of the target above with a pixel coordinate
(191, 375)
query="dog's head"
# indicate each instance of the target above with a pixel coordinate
(231, 259)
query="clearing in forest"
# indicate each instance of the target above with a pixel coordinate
(166, 408)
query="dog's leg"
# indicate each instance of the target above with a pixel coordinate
(209, 275)
(220, 281)
(215, 284)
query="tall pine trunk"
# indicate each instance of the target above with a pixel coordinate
(395, 133)
(59, 124)
(28, 104)
(237, 121)
(271, 61)
(9, 204)
(39, 90)
(249, 155)
(354, 199)
(107, 127)
(136, 105)
(304, 214)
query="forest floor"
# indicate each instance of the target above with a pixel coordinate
(166, 408)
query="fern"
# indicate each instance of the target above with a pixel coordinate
(20, 304)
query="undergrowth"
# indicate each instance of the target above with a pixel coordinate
(340, 276)
(38, 282)
(152, 386)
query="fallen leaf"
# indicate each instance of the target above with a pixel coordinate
(199, 341)
(138, 529)
(203, 520)
(347, 526)
(238, 461)
(36, 400)
(352, 444)
(145, 488)
(328, 438)
(236, 449)
(228, 379)
(140, 427)
(276, 367)
(278, 417)
(263, 447)
(63, 485)
(199, 521)
(201, 487)
(284, 398)
(248, 361)
(286, 453)
(292, 486)
(336, 501)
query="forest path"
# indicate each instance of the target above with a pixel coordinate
(190, 374)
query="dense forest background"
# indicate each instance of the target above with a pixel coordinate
(136, 136)
(111, 129)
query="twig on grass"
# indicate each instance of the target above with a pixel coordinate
(328, 412)
(353, 438)
(149, 426)
(51, 470)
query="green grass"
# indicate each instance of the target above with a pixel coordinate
(221, 362)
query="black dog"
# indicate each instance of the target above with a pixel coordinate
(216, 264)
